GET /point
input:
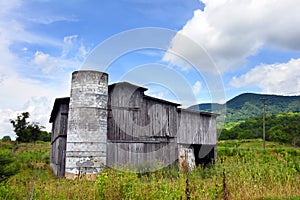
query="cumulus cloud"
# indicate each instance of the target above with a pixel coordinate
(41, 58)
(58, 64)
(281, 78)
(19, 94)
(69, 42)
(46, 62)
(69, 39)
(28, 88)
(73, 53)
(232, 30)
(38, 107)
(197, 87)
(5, 125)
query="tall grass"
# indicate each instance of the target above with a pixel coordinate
(241, 173)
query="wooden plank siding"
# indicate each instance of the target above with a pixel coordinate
(59, 118)
(141, 154)
(135, 116)
(141, 130)
(196, 128)
(144, 129)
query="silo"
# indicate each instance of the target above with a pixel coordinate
(87, 124)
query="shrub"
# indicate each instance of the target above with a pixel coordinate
(6, 139)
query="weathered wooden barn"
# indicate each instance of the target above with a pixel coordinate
(118, 124)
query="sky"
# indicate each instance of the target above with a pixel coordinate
(208, 51)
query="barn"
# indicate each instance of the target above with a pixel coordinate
(118, 124)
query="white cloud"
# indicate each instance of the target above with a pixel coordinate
(51, 19)
(19, 95)
(282, 78)
(5, 125)
(15, 91)
(70, 39)
(232, 30)
(41, 58)
(45, 62)
(74, 48)
(83, 52)
(59, 64)
(13, 26)
(24, 82)
(73, 53)
(68, 44)
(197, 87)
(38, 107)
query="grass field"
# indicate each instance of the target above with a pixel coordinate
(244, 171)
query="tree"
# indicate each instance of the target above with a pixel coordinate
(6, 139)
(25, 131)
(284, 128)
(35, 131)
(45, 136)
(20, 127)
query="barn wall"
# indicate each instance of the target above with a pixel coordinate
(124, 112)
(161, 118)
(141, 155)
(58, 139)
(119, 124)
(141, 129)
(197, 138)
(196, 128)
(134, 116)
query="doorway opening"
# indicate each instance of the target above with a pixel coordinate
(204, 154)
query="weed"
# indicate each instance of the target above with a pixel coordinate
(244, 171)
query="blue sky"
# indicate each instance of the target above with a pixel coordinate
(254, 46)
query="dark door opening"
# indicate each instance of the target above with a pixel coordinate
(204, 154)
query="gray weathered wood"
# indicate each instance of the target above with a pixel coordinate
(140, 129)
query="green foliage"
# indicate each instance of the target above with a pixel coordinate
(248, 105)
(6, 139)
(114, 184)
(284, 127)
(247, 170)
(35, 131)
(20, 127)
(45, 136)
(248, 174)
(244, 121)
(8, 165)
(28, 132)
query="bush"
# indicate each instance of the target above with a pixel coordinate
(6, 139)
(6, 169)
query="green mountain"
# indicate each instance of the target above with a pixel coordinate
(249, 105)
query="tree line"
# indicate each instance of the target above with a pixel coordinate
(284, 128)
(27, 131)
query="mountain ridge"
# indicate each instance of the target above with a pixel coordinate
(247, 105)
